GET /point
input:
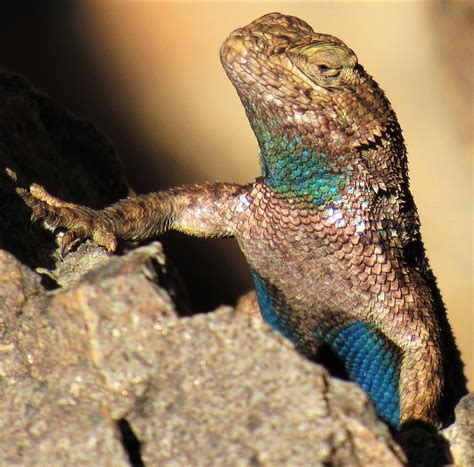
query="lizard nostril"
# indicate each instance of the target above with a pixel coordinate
(233, 48)
(236, 34)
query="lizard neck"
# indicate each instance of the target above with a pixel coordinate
(298, 167)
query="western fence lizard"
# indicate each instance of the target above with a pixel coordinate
(330, 229)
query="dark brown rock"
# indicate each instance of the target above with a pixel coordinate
(43, 143)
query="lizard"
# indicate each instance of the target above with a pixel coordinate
(330, 229)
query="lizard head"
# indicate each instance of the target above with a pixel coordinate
(293, 78)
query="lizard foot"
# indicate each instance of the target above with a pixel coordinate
(80, 222)
(248, 304)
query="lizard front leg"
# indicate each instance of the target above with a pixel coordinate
(205, 210)
(420, 366)
(401, 373)
(421, 381)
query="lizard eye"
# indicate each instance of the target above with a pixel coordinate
(259, 42)
(327, 70)
(323, 68)
(323, 62)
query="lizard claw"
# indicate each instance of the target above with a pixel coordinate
(106, 239)
(66, 242)
(79, 221)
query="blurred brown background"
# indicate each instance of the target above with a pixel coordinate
(148, 74)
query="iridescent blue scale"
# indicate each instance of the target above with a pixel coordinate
(267, 308)
(293, 170)
(373, 362)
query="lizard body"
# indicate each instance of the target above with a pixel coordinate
(330, 229)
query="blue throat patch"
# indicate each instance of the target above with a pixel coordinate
(294, 170)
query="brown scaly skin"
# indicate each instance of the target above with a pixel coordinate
(330, 231)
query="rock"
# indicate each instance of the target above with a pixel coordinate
(80, 364)
(65, 383)
(461, 433)
(230, 391)
(43, 143)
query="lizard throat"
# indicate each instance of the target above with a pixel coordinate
(294, 168)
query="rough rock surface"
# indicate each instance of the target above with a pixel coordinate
(219, 388)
